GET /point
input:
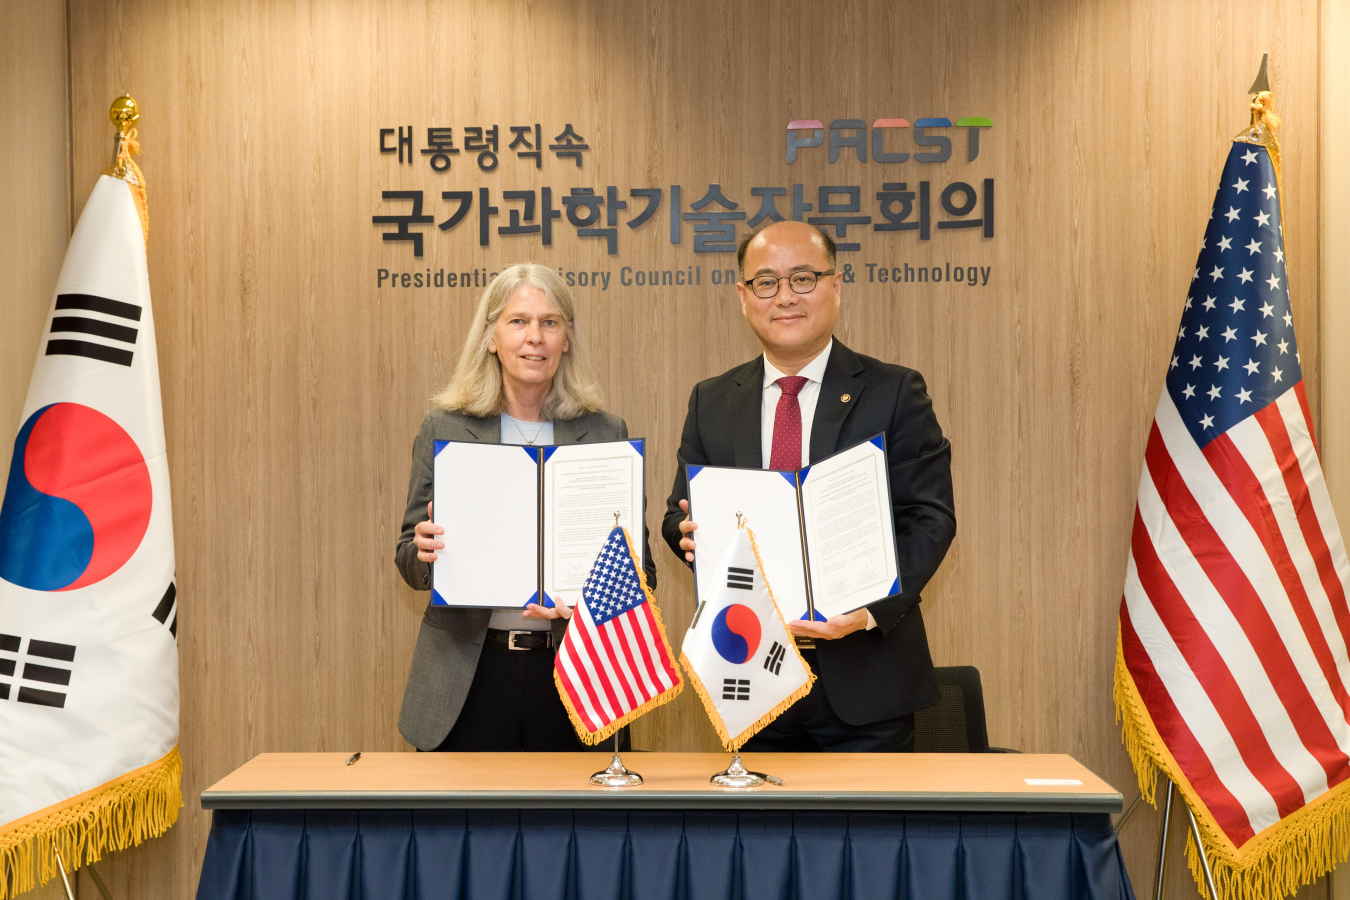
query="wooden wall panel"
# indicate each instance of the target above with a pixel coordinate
(36, 192)
(293, 385)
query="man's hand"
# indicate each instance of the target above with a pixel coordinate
(832, 628)
(687, 528)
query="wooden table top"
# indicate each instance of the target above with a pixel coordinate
(949, 782)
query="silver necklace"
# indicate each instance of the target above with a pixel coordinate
(530, 439)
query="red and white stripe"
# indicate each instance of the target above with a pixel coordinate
(612, 669)
(1234, 622)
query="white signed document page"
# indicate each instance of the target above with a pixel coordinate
(850, 530)
(768, 501)
(584, 486)
(486, 496)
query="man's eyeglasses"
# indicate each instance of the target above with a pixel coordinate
(766, 286)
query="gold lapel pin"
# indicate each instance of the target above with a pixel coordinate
(844, 398)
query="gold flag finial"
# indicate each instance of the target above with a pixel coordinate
(124, 114)
(1261, 131)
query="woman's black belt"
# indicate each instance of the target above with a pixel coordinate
(521, 640)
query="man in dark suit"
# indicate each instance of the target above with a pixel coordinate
(806, 397)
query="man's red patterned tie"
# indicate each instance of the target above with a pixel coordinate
(787, 426)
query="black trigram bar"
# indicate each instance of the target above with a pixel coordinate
(161, 612)
(6, 667)
(99, 304)
(9, 643)
(94, 326)
(42, 698)
(173, 627)
(51, 650)
(735, 689)
(774, 661)
(4, 692)
(90, 351)
(741, 578)
(45, 674)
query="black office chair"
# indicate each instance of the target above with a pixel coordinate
(956, 723)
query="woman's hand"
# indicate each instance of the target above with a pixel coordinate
(424, 536)
(559, 610)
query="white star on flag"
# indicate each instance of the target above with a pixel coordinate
(1245, 275)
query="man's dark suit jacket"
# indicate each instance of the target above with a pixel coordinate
(872, 675)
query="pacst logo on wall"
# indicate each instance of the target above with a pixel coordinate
(713, 222)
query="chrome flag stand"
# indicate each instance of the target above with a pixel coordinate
(616, 775)
(737, 775)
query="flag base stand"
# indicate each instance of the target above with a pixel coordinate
(738, 776)
(616, 775)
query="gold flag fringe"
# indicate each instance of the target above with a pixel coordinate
(120, 816)
(594, 737)
(729, 742)
(1277, 862)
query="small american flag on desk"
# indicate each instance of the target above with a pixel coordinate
(1232, 673)
(615, 662)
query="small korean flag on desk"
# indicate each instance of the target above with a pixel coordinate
(738, 652)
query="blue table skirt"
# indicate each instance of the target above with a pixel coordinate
(661, 855)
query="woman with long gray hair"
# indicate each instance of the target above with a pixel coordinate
(482, 679)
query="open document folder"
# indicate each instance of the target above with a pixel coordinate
(524, 524)
(825, 533)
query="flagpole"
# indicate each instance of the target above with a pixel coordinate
(1162, 841)
(62, 865)
(1199, 844)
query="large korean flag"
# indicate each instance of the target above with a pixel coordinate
(88, 624)
(738, 652)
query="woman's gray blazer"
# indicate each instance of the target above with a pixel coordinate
(450, 638)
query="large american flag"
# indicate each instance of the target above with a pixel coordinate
(615, 662)
(1234, 624)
